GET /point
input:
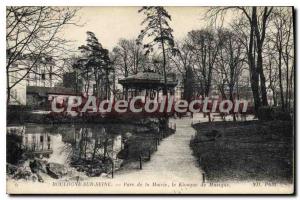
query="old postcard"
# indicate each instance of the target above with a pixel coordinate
(150, 100)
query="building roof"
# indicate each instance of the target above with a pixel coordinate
(148, 79)
(44, 91)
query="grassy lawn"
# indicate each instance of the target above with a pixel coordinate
(244, 151)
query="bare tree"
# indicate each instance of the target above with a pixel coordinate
(128, 58)
(257, 20)
(183, 62)
(31, 33)
(204, 45)
(271, 71)
(282, 40)
(230, 62)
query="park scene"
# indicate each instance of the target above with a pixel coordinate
(151, 94)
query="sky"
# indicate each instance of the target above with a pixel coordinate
(112, 23)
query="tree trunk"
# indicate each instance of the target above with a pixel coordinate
(126, 75)
(76, 81)
(106, 84)
(95, 92)
(232, 100)
(8, 88)
(287, 84)
(274, 96)
(222, 90)
(165, 90)
(294, 57)
(259, 63)
(288, 91)
(263, 87)
(253, 73)
(95, 149)
(280, 81)
(105, 149)
(85, 144)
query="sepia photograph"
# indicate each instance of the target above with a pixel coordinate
(150, 99)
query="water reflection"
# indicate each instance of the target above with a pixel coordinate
(38, 144)
(93, 149)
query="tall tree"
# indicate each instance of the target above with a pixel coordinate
(272, 70)
(260, 28)
(96, 60)
(257, 19)
(230, 62)
(282, 39)
(128, 58)
(205, 46)
(158, 32)
(183, 62)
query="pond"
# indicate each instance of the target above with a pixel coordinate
(88, 148)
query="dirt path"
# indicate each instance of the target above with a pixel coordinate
(173, 159)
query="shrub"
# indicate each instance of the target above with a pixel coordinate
(265, 113)
(14, 150)
(281, 115)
